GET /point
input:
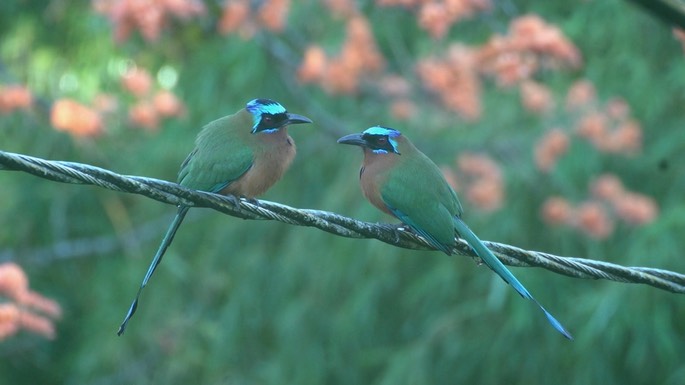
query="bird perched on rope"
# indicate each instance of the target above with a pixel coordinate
(242, 154)
(401, 181)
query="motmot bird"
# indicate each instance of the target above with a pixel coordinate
(401, 181)
(242, 154)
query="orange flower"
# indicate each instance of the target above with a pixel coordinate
(38, 302)
(455, 80)
(581, 94)
(184, 9)
(313, 66)
(137, 81)
(13, 280)
(536, 98)
(485, 189)
(549, 148)
(37, 324)
(358, 58)
(531, 45)
(435, 74)
(487, 194)
(635, 209)
(14, 285)
(617, 109)
(557, 211)
(403, 109)
(510, 69)
(478, 165)
(437, 16)
(234, 16)
(147, 16)
(9, 320)
(340, 78)
(607, 187)
(342, 8)
(434, 18)
(14, 97)
(405, 3)
(360, 47)
(530, 32)
(167, 104)
(593, 220)
(273, 14)
(627, 137)
(466, 104)
(144, 114)
(75, 118)
(593, 127)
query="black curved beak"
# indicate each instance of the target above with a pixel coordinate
(297, 119)
(353, 139)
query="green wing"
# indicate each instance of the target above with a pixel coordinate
(417, 193)
(220, 157)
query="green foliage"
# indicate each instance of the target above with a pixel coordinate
(238, 302)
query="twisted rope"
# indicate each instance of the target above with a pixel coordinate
(172, 193)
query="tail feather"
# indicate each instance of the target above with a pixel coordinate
(168, 238)
(493, 263)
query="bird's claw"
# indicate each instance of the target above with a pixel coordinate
(394, 230)
(235, 200)
(252, 201)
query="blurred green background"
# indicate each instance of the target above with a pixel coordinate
(242, 302)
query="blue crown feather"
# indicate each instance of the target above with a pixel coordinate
(260, 106)
(380, 130)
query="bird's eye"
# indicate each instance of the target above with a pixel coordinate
(267, 119)
(382, 140)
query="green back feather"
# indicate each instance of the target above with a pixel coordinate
(222, 154)
(417, 193)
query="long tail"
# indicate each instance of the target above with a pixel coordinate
(493, 263)
(168, 237)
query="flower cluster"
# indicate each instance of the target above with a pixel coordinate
(483, 184)
(550, 148)
(341, 74)
(536, 97)
(14, 97)
(531, 46)
(454, 80)
(610, 201)
(437, 16)
(76, 118)
(23, 308)
(239, 16)
(608, 127)
(88, 121)
(147, 16)
(151, 105)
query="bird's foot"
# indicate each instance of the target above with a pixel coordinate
(235, 200)
(252, 201)
(394, 229)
